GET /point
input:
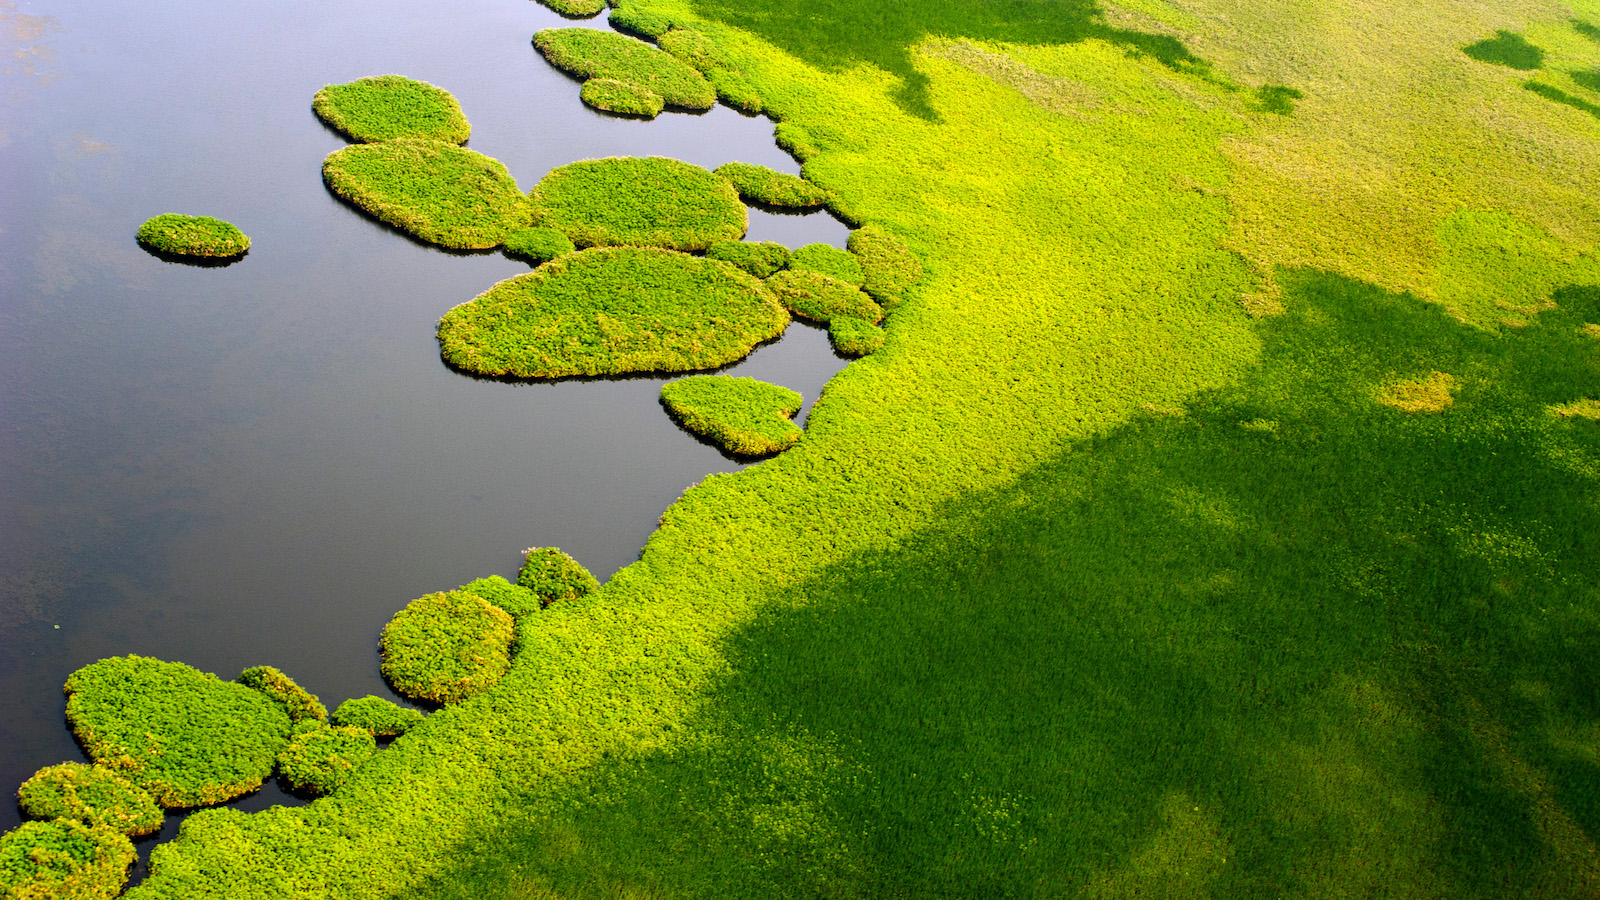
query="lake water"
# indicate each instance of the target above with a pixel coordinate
(260, 464)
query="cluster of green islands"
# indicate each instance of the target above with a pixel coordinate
(1212, 511)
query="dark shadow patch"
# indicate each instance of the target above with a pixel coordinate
(1506, 48)
(1277, 99)
(199, 262)
(1588, 79)
(1562, 97)
(1586, 29)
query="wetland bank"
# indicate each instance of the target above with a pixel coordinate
(1214, 519)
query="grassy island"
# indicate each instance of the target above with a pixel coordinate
(743, 416)
(554, 576)
(93, 795)
(385, 107)
(639, 201)
(586, 53)
(319, 758)
(64, 860)
(761, 259)
(437, 192)
(446, 647)
(769, 187)
(818, 297)
(622, 97)
(201, 237)
(851, 336)
(377, 716)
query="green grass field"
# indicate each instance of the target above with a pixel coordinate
(1218, 518)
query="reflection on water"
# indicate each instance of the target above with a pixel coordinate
(259, 464)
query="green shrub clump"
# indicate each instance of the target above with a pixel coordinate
(888, 266)
(186, 736)
(379, 717)
(854, 337)
(576, 9)
(298, 702)
(446, 647)
(639, 201)
(63, 860)
(819, 297)
(612, 311)
(770, 187)
(513, 598)
(438, 192)
(587, 53)
(386, 107)
(621, 97)
(741, 415)
(319, 759)
(553, 575)
(761, 259)
(93, 795)
(829, 260)
(200, 236)
(538, 245)
(635, 20)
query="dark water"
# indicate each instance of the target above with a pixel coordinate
(262, 463)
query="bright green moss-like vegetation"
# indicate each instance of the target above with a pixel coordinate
(587, 53)
(298, 702)
(185, 736)
(761, 259)
(93, 795)
(695, 49)
(854, 337)
(576, 9)
(639, 201)
(434, 191)
(743, 416)
(739, 92)
(635, 19)
(830, 261)
(621, 97)
(319, 759)
(63, 860)
(819, 297)
(553, 575)
(538, 245)
(382, 718)
(888, 267)
(513, 598)
(770, 187)
(385, 107)
(198, 236)
(612, 311)
(1507, 48)
(443, 648)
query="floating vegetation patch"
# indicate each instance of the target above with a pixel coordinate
(386, 107)
(854, 337)
(587, 53)
(888, 267)
(298, 702)
(538, 245)
(741, 415)
(435, 191)
(64, 860)
(612, 311)
(761, 259)
(196, 236)
(321, 757)
(635, 20)
(1431, 393)
(1507, 48)
(829, 260)
(621, 97)
(446, 647)
(513, 598)
(186, 736)
(381, 718)
(93, 795)
(639, 201)
(770, 187)
(576, 9)
(819, 297)
(553, 575)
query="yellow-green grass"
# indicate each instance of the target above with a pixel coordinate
(888, 267)
(576, 9)
(93, 795)
(446, 647)
(854, 337)
(385, 107)
(828, 260)
(537, 245)
(437, 192)
(64, 860)
(319, 758)
(197, 236)
(769, 187)
(612, 311)
(818, 297)
(743, 416)
(641, 201)
(636, 20)
(586, 53)
(760, 258)
(621, 97)
(382, 718)
(298, 702)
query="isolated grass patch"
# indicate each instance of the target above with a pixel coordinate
(93, 795)
(298, 702)
(741, 415)
(854, 337)
(576, 9)
(553, 575)
(200, 236)
(639, 201)
(612, 311)
(760, 258)
(537, 245)
(1431, 393)
(828, 260)
(385, 107)
(382, 718)
(587, 53)
(1507, 48)
(771, 187)
(622, 97)
(819, 297)
(186, 736)
(63, 860)
(437, 192)
(318, 759)
(445, 647)
(637, 20)
(888, 267)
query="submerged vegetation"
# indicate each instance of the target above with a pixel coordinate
(197, 236)
(743, 416)
(587, 53)
(385, 107)
(437, 192)
(639, 201)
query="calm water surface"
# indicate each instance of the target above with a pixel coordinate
(260, 464)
